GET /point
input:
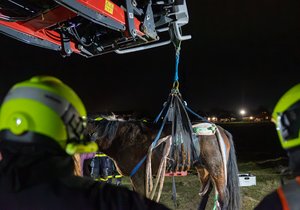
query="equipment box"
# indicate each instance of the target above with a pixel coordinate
(247, 180)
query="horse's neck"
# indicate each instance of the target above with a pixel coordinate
(110, 152)
(166, 130)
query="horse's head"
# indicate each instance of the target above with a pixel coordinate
(102, 129)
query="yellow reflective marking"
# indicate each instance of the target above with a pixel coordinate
(98, 119)
(109, 7)
(100, 155)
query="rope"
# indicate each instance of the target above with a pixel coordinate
(149, 181)
(177, 56)
(159, 115)
(194, 113)
(154, 144)
(160, 176)
(159, 179)
(163, 177)
(174, 192)
(135, 169)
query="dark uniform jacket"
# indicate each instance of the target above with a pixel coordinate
(270, 202)
(39, 182)
(102, 166)
(286, 197)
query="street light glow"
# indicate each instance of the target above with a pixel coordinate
(242, 112)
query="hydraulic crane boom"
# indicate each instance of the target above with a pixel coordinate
(94, 27)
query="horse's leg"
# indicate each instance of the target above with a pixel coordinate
(212, 159)
(218, 176)
(222, 194)
(206, 187)
(205, 197)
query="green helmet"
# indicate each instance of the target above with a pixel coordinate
(287, 118)
(44, 108)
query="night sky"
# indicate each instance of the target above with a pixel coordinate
(242, 54)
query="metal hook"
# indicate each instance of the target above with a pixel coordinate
(176, 84)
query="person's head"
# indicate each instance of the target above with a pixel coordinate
(286, 115)
(43, 110)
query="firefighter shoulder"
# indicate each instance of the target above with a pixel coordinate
(42, 122)
(286, 116)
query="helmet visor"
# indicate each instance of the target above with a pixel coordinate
(289, 122)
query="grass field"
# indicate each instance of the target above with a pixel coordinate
(267, 179)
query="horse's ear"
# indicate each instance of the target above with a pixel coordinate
(144, 120)
(113, 115)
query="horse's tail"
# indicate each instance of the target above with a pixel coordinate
(232, 177)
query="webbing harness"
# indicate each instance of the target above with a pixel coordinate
(175, 111)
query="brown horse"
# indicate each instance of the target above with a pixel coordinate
(127, 143)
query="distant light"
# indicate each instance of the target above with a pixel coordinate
(242, 112)
(251, 118)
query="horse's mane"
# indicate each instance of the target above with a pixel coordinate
(107, 127)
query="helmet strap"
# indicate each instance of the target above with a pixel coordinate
(74, 124)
